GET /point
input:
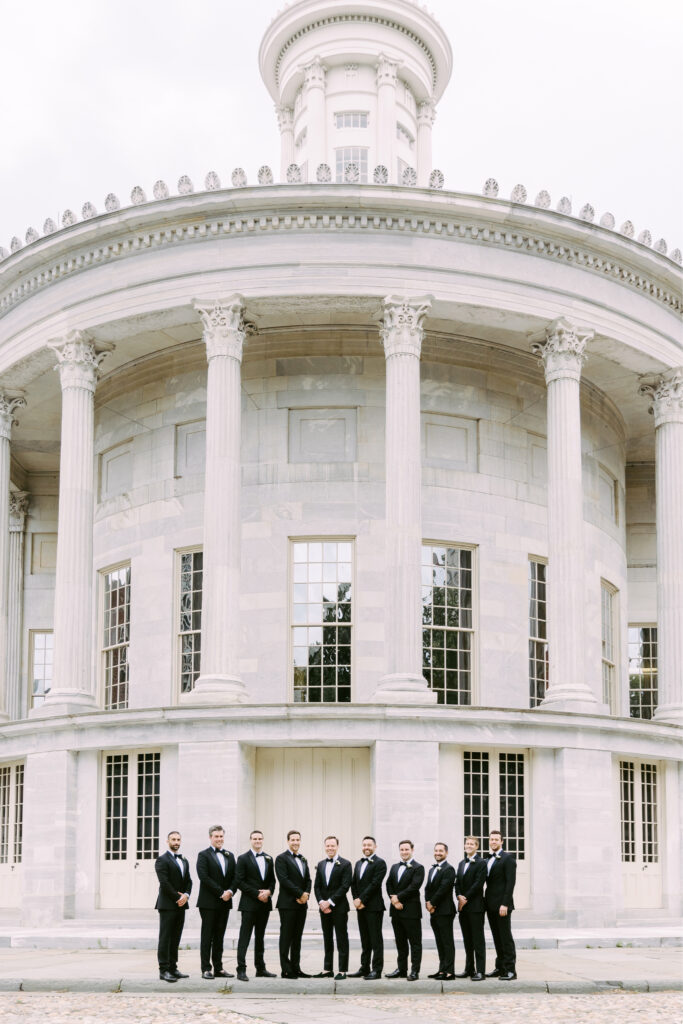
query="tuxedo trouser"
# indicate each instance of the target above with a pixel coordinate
(335, 924)
(171, 924)
(501, 930)
(292, 922)
(442, 926)
(371, 940)
(214, 923)
(472, 928)
(252, 921)
(408, 933)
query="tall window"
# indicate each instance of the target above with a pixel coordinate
(639, 824)
(132, 790)
(642, 671)
(351, 155)
(447, 622)
(609, 655)
(351, 119)
(149, 775)
(538, 632)
(321, 621)
(494, 797)
(190, 618)
(116, 637)
(11, 813)
(40, 652)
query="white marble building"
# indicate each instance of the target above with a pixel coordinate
(275, 537)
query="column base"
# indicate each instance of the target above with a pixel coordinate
(578, 699)
(403, 688)
(216, 689)
(670, 714)
(64, 702)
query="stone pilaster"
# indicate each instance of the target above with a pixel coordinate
(387, 77)
(426, 115)
(224, 335)
(9, 403)
(563, 355)
(667, 406)
(402, 335)
(314, 89)
(78, 362)
(285, 122)
(18, 508)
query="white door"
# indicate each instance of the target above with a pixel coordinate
(641, 867)
(11, 816)
(130, 834)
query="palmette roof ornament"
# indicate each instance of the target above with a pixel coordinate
(265, 175)
(491, 188)
(112, 203)
(409, 177)
(627, 229)
(4, 253)
(238, 178)
(88, 211)
(160, 190)
(542, 200)
(185, 186)
(661, 246)
(137, 196)
(31, 235)
(436, 179)
(351, 173)
(323, 174)
(518, 194)
(212, 182)
(607, 220)
(587, 213)
(16, 244)
(380, 175)
(564, 205)
(667, 397)
(69, 218)
(49, 226)
(293, 174)
(676, 256)
(645, 238)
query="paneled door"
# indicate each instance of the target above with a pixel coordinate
(11, 816)
(641, 867)
(130, 833)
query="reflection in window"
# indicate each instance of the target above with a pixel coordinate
(538, 635)
(190, 625)
(642, 671)
(42, 644)
(116, 637)
(351, 155)
(447, 633)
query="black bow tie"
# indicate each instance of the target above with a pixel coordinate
(297, 856)
(330, 860)
(218, 851)
(436, 865)
(259, 854)
(365, 860)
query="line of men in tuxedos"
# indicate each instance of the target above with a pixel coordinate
(482, 888)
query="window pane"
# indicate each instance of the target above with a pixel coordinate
(447, 621)
(642, 671)
(116, 637)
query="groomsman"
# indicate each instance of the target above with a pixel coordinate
(501, 871)
(403, 888)
(216, 873)
(332, 882)
(441, 910)
(175, 886)
(255, 878)
(366, 891)
(294, 879)
(469, 888)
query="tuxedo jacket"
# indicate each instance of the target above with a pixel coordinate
(172, 881)
(249, 881)
(407, 889)
(500, 883)
(340, 883)
(439, 892)
(293, 884)
(470, 884)
(368, 889)
(212, 881)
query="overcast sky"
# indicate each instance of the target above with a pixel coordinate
(582, 98)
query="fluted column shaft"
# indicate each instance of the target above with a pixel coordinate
(425, 119)
(667, 406)
(8, 404)
(402, 338)
(285, 120)
(314, 85)
(72, 684)
(224, 334)
(18, 507)
(387, 77)
(563, 354)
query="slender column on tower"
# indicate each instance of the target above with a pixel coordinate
(426, 115)
(285, 122)
(18, 508)
(562, 353)
(387, 76)
(72, 690)
(224, 335)
(9, 403)
(314, 98)
(402, 334)
(667, 406)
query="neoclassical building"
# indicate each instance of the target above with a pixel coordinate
(344, 502)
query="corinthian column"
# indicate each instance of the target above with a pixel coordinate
(9, 402)
(387, 76)
(667, 406)
(78, 363)
(285, 122)
(224, 335)
(18, 507)
(563, 355)
(314, 96)
(426, 114)
(402, 335)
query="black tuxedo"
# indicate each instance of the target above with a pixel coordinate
(255, 913)
(439, 892)
(500, 885)
(293, 882)
(368, 890)
(470, 884)
(214, 911)
(173, 882)
(337, 921)
(407, 923)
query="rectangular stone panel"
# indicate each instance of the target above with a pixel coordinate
(43, 552)
(116, 470)
(322, 435)
(449, 442)
(537, 453)
(190, 448)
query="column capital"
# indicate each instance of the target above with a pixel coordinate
(666, 393)
(10, 401)
(18, 509)
(225, 329)
(78, 359)
(314, 74)
(426, 113)
(402, 331)
(387, 71)
(563, 350)
(285, 118)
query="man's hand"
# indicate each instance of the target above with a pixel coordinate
(182, 901)
(304, 897)
(358, 904)
(429, 907)
(394, 899)
(227, 895)
(325, 907)
(398, 905)
(264, 895)
(503, 911)
(462, 900)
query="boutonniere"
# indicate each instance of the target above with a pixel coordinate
(267, 856)
(303, 859)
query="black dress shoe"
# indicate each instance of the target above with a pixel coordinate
(207, 975)
(438, 975)
(287, 974)
(493, 974)
(242, 975)
(373, 976)
(413, 976)
(478, 976)
(463, 974)
(302, 974)
(324, 974)
(222, 974)
(507, 976)
(340, 977)
(265, 974)
(167, 976)
(394, 974)
(178, 974)
(358, 974)
(448, 977)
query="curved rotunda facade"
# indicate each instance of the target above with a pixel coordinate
(338, 503)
